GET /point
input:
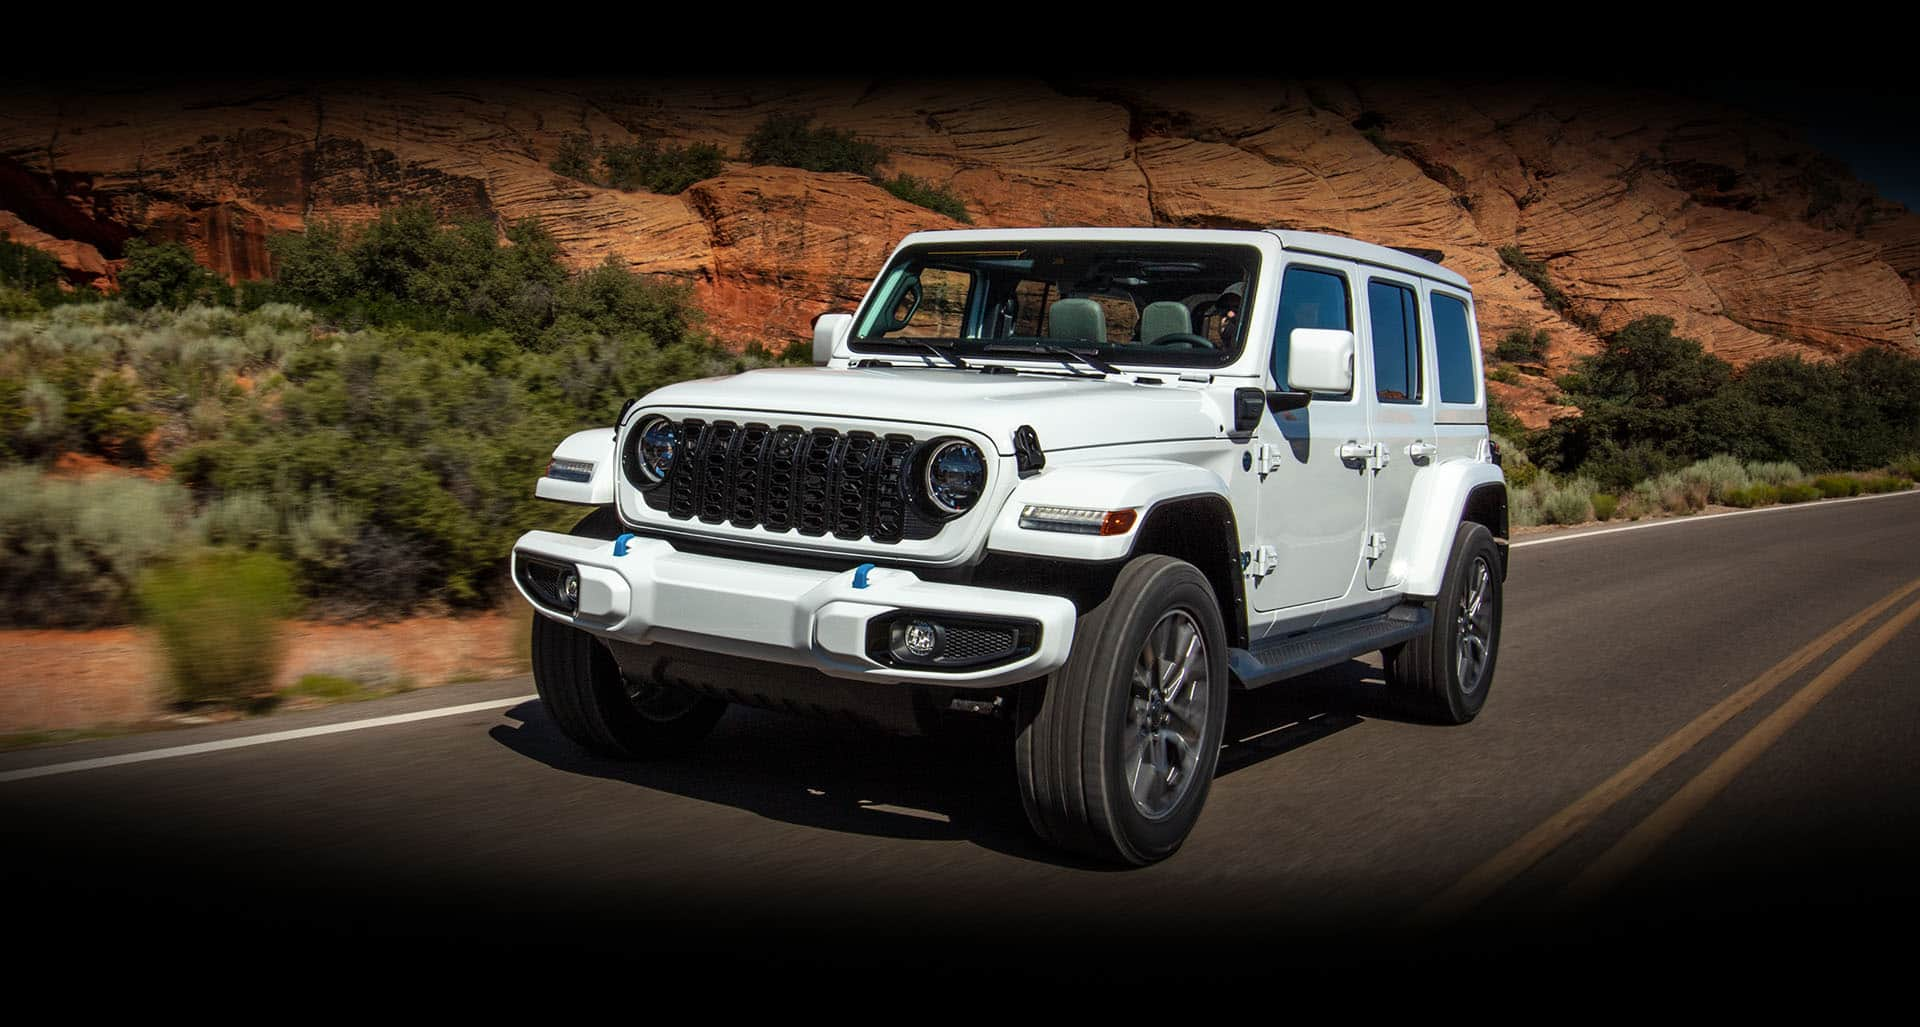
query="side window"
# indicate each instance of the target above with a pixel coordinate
(1393, 313)
(1309, 298)
(1453, 344)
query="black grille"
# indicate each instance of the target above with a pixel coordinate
(978, 645)
(782, 478)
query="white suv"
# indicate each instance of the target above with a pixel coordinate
(1086, 479)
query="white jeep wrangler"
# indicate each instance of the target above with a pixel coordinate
(1086, 479)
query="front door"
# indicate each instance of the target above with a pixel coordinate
(1313, 503)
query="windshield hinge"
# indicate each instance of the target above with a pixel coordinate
(1267, 458)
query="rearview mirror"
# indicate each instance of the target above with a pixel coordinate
(1320, 360)
(827, 333)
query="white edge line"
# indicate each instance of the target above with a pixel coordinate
(75, 766)
(1668, 522)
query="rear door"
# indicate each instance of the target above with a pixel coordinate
(1400, 406)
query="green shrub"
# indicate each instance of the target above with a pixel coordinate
(1778, 472)
(1674, 494)
(1604, 506)
(1536, 274)
(1874, 484)
(326, 686)
(575, 157)
(1907, 466)
(1633, 506)
(26, 268)
(16, 304)
(72, 550)
(1523, 508)
(1505, 375)
(1502, 421)
(792, 141)
(645, 164)
(924, 193)
(1798, 493)
(1757, 494)
(1520, 346)
(218, 616)
(167, 275)
(1568, 503)
(1836, 486)
(1720, 474)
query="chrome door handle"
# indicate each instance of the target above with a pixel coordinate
(1423, 450)
(1351, 450)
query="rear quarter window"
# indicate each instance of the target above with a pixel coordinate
(1453, 346)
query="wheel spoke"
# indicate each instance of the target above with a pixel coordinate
(1167, 716)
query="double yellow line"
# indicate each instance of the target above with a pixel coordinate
(1643, 840)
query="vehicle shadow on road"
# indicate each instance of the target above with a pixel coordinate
(957, 787)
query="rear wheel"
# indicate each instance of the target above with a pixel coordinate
(1445, 675)
(582, 689)
(1116, 751)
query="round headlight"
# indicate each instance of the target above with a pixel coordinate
(953, 476)
(649, 451)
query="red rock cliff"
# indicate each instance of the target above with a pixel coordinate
(1637, 204)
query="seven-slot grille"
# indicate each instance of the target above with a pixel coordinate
(850, 485)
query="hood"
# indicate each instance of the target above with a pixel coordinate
(1068, 413)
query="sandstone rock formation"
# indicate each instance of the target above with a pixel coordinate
(1636, 204)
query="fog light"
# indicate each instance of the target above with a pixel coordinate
(570, 588)
(920, 639)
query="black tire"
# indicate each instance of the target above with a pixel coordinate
(582, 689)
(1076, 729)
(1425, 674)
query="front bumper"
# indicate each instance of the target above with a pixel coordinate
(790, 615)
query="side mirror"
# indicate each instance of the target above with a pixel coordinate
(827, 334)
(1320, 360)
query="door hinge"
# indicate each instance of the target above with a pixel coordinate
(1266, 458)
(1260, 562)
(1375, 454)
(1376, 544)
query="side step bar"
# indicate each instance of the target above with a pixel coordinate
(1279, 658)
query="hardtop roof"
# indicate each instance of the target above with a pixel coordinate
(1291, 240)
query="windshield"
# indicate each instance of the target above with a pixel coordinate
(1124, 302)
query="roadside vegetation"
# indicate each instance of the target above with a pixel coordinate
(1666, 428)
(361, 432)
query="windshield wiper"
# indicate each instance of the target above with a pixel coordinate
(1060, 351)
(937, 351)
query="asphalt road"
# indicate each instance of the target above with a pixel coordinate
(1781, 831)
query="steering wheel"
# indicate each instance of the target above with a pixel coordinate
(1199, 341)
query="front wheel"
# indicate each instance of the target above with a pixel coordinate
(1116, 751)
(1445, 675)
(583, 690)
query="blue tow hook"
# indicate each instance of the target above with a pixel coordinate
(620, 544)
(860, 575)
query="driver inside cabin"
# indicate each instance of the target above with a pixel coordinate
(1159, 302)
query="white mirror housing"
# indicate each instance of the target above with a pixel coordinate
(827, 335)
(1320, 360)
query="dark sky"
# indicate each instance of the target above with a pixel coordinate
(1874, 129)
